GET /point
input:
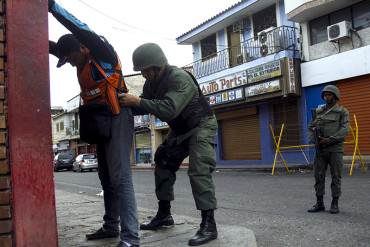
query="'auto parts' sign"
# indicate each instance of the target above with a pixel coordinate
(224, 83)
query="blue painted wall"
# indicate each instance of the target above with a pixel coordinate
(267, 145)
(196, 51)
(221, 40)
(283, 17)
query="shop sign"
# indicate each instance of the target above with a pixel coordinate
(159, 124)
(226, 97)
(224, 83)
(291, 76)
(265, 87)
(264, 71)
(141, 120)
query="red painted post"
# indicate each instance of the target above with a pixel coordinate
(29, 123)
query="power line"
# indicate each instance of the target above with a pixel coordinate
(123, 23)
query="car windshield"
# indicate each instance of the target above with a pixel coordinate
(89, 156)
(65, 156)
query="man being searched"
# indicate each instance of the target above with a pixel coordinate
(329, 128)
(102, 122)
(173, 95)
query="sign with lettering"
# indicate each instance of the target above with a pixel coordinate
(226, 97)
(291, 76)
(262, 88)
(159, 124)
(264, 71)
(224, 83)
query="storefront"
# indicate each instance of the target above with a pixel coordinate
(142, 140)
(355, 97)
(246, 103)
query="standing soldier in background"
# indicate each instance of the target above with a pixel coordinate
(174, 96)
(100, 78)
(330, 127)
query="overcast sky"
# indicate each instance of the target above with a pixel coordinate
(128, 24)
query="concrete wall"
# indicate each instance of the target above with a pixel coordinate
(327, 48)
(336, 67)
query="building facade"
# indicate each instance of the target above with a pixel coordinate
(336, 50)
(246, 61)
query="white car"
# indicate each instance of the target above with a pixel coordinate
(85, 162)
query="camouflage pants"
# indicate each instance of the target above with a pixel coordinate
(200, 148)
(322, 161)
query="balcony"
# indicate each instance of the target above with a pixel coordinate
(278, 39)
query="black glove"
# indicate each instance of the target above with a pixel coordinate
(51, 4)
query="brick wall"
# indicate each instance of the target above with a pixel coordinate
(5, 182)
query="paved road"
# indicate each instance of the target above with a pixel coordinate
(273, 207)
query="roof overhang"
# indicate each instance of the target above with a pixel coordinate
(316, 8)
(223, 19)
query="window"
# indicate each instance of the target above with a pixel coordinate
(340, 15)
(57, 125)
(361, 15)
(318, 29)
(73, 124)
(358, 15)
(264, 19)
(76, 121)
(208, 47)
(61, 126)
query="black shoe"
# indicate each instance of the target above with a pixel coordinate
(123, 244)
(102, 233)
(207, 231)
(158, 222)
(317, 208)
(334, 209)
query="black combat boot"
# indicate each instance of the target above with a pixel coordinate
(207, 230)
(334, 209)
(319, 206)
(162, 219)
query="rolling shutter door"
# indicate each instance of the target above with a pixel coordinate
(240, 135)
(355, 97)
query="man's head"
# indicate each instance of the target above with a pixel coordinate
(70, 50)
(150, 60)
(330, 94)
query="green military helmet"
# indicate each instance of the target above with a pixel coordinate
(148, 55)
(331, 89)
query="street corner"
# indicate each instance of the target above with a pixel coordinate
(185, 228)
(179, 235)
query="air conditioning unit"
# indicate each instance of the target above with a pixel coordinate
(262, 35)
(339, 30)
(238, 27)
(269, 41)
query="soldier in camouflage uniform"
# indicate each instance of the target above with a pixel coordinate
(330, 127)
(174, 96)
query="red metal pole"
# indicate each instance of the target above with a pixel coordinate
(29, 122)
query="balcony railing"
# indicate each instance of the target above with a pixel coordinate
(279, 39)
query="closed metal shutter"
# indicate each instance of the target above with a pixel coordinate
(240, 135)
(355, 97)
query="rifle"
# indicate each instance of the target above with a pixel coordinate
(316, 132)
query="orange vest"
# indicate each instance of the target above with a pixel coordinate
(105, 91)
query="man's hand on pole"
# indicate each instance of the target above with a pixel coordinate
(129, 100)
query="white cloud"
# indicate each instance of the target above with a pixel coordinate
(159, 21)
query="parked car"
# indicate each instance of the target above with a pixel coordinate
(63, 161)
(85, 162)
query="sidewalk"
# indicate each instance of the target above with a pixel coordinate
(79, 214)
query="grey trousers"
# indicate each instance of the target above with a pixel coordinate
(115, 175)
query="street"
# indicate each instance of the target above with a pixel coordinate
(274, 207)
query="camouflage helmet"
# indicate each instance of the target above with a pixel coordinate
(148, 55)
(331, 89)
